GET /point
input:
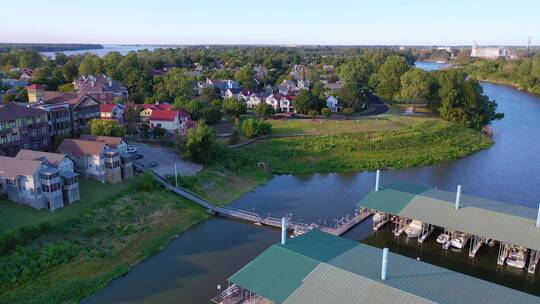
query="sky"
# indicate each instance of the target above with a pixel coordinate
(292, 22)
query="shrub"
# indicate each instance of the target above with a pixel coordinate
(313, 113)
(254, 127)
(146, 183)
(348, 111)
(326, 112)
(22, 236)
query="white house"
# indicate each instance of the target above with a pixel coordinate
(232, 93)
(288, 87)
(280, 103)
(333, 104)
(170, 120)
(304, 84)
(112, 111)
(256, 99)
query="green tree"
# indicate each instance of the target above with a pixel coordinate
(66, 88)
(233, 108)
(252, 127)
(106, 128)
(389, 77)
(245, 76)
(356, 74)
(177, 84)
(209, 94)
(417, 86)
(264, 110)
(306, 101)
(200, 144)
(91, 65)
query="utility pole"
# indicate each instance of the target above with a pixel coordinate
(175, 175)
(529, 47)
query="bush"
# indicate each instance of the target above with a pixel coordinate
(200, 144)
(22, 236)
(348, 111)
(264, 110)
(254, 127)
(326, 112)
(147, 183)
(313, 113)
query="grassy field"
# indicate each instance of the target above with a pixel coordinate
(419, 143)
(79, 256)
(92, 192)
(221, 186)
(332, 127)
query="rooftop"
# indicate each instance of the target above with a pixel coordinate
(53, 158)
(321, 268)
(80, 147)
(111, 141)
(479, 216)
(12, 111)
(12, 167)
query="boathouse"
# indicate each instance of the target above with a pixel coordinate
(514, 227)
(319, 268)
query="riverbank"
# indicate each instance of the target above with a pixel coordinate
(391, 141)
(71, 258)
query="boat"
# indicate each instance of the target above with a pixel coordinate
(379, 216)
(443, 238)
(413, 229)
(517, 257)
(459, 241)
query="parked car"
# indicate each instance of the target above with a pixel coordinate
(153, 164)
(138, 156)
(132, 150)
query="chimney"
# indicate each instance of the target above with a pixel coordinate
(458, 196)
(283, 230)
(538, 218)
(377, 177)
(384, 263)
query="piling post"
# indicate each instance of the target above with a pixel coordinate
(384, 263)
(538, 217)
(458, 197)
(377, 177)
(283, 230)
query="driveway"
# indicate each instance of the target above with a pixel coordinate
(164, 159)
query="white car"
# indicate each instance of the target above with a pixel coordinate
(131, 150)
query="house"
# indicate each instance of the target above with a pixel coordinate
(112, 112)
(219, 84)
(232, 93)
(334, 86)
(149, 108)
(101, 87)
(82, 108)
(56, 166)
(38, 179)
(110, 141)
(304, 84)
(260, 73)
(23, 128)
(35, 93)
(97, 160)
(26, 74)
(244, 96)
(58, 116)
(256, 99)
(298, 71)
(170, 120)
(14, 83)
(281, 103)
(333, 104)
(288, 87)
(268, 89)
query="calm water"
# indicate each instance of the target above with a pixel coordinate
(189, 269)
(122, 49)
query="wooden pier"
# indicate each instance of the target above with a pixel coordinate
(534, 258)
(427, 230)
(476, 244)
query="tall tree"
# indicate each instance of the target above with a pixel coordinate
(389, 77)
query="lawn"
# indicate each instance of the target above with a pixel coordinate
(332, 126)
(80, 257)
(423, 143)
(13, 214)
(222, 186)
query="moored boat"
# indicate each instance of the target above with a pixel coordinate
(413, 229)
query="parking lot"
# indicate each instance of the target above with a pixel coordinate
(162, 160)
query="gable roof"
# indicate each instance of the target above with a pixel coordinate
(507, 223)
(80, 147)
(12, 167)
(12, 111)
(53, 158)
(164, 115)
(73, 99)
(111, 141)
(319, 268)
(106, 107)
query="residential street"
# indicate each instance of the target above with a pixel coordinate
(162, 160)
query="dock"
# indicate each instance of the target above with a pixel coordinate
(347, 225)
(476, 244)
(533, 261)
(427, 230)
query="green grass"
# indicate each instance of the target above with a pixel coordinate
(333, 127)
(222, 186)
(111, 236)
(13, 215)
(423, 143)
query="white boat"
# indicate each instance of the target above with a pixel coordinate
(459, 241)
(517, 257)
(379, 216)
(413, 229)
(443, 238)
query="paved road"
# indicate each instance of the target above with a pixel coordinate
(378, 106)
(165, 158)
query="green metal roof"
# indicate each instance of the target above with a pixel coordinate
(284, 274)
(275, 273)
(479, 216)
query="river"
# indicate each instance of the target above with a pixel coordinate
(107, 48)
(189, 269)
